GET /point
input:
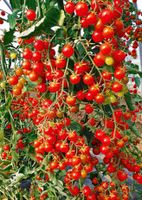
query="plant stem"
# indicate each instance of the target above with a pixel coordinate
(6, 94)
(3, 60)
(39, 8)
(23, 12)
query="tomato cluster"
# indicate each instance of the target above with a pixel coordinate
(73, 111)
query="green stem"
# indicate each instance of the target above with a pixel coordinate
(23, 12)
(39, 8)
(3, 63)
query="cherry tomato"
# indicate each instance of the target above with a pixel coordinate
(31, 15)
(68, 50)
(81, 9)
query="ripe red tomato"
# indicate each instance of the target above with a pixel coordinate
(39, 45)
(88, 79)
(94, 5)
(106, 75)
(106, 16)
(68, 50)
(54, 86)
(60, 63)
(27, 54)
(70, 100)
(104, 149)
(36, 56)
(99, 60)
(4, 155)
(88, 108)
(89, 96)
(81, 9)
(84, 23)
(74, 190)
(116, 86)
(119, 25)
(31, 15)
(91, 18)
(94, 89)
(117, 12)
(58, 74)
(91, 197)
(105, 48)
(33, 76)
(75, 79)
(6, 147)
(76, 175)
(119, 73)
(99, 98)
(86, 190)
(69, 7)
(38, 68)
(111, 168)
(97, 36)
(99, 25)
(42, 87)
(82, 67)
(75, 160)
(108, 32)
(119, 55)
(13, 80)
(26, 64)
(121, 175)
(80, 95)
(106, 140)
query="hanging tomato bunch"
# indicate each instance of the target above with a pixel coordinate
(67, 115)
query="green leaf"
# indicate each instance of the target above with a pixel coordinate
(15, 156)
(137, 81)
(132, 70)
(12, 21)
(15, 4)
(80, 49)
(53, 2)
(12, 18)
(8, 37)
(75, 126)
(129, 102)
(31, 4)
(44, 25)
(60, 36)
(60, 3)
(137, 98)
(134, 129)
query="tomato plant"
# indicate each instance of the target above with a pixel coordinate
(68, 117)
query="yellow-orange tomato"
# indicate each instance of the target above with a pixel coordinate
(16, 91)
(22, 80)
(19, 85)
(83, 173)
(19, 72)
